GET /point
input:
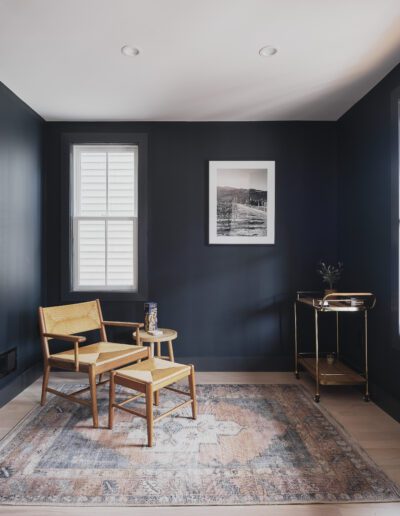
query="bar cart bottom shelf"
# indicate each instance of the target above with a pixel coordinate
(337, 373)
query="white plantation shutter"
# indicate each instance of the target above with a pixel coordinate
(91, 245)
(121, 184)
(105, 221)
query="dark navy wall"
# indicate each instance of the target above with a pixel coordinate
(368, 225)
(20, 235)
(232, 305)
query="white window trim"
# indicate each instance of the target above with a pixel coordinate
(74, 202)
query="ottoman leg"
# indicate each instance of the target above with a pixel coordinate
(93, 396)
(149, 414)
(192, 387)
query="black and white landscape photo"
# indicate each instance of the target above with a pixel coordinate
(242, 202)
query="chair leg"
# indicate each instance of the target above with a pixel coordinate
(171, 351)
(149, 414)
(157, 398)
(111, 402)
(45, 383)
(192, 388)
(92, 382)
(100, 377)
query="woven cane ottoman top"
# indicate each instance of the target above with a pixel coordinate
(154, 371)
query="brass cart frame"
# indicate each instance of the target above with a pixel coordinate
(337, 373)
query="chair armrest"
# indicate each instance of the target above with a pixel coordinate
(124, 324)
(76, 339)
(68, 338)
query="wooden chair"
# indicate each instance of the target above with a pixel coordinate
(62, 323)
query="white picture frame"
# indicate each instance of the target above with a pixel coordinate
(241, 207)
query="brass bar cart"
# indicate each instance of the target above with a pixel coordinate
(336, 372)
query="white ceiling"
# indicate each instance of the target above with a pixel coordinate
(198, 58)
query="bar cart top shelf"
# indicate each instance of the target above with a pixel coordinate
(337, 301)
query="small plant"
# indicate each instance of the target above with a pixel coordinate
(331, 274)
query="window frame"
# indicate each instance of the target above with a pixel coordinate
(68, 140)
(77, 216)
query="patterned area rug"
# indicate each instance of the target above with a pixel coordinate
(251, 444)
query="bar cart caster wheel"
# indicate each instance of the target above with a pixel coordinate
(297, 375)
(316, 398)
(366, 397)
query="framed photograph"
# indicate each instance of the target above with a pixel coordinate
(242, 202)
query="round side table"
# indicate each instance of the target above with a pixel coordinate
(167, 336)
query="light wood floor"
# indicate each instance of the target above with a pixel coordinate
(376, 432)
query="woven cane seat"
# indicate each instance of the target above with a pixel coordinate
(155, 371)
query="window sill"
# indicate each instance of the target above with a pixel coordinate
(104, 295)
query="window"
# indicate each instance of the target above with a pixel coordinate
(104, 208)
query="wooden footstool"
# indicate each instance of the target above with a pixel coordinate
(148, 378)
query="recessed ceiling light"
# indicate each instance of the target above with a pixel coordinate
(267, 51)
(128, 51)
